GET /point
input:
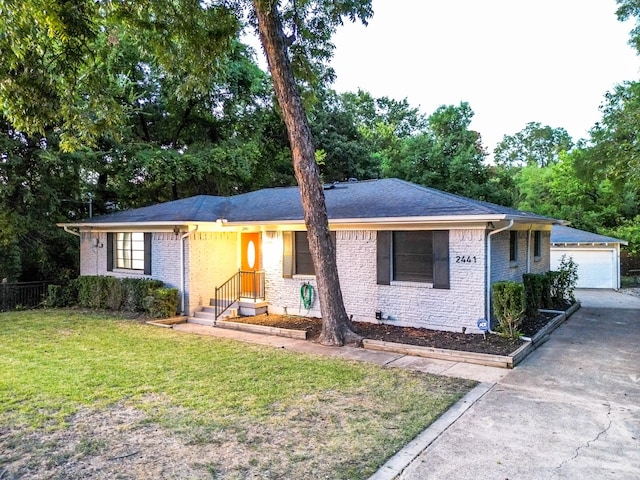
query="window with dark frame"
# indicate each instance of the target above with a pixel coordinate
(537, 243)
(130, 250)
(513, 245)
(302, 254)
(413, 256)
(296, 256)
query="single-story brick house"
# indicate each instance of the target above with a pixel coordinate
(406, 254)
(597, 256)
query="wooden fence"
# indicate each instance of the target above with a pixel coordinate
(19, 295)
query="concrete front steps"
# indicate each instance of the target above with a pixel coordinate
(244, 307)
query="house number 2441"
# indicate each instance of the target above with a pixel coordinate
(465, 259)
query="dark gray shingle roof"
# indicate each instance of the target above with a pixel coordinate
(371, 199)
(564, 234)
(201, 208)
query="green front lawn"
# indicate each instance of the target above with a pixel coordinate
(276, 413)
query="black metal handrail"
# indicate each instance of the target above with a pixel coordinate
(243, 284)
(18, 295)
(252, 284)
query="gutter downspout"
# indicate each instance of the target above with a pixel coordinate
(617, 250)
(488, 294)
(529, 249)
(72, 232)
(182, 279)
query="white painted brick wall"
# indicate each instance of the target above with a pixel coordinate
(543, 264)
(165, 258)
(93, 260)
(503, 269)
(283, 294)
(212, 260)
(407, 304)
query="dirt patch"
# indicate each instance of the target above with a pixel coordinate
(489, 343)
(110, 444)
(314, 438)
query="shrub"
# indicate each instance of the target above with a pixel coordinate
(563, 283)
(113, 293)
(545, 299)
(162, 302)
(102, 292)
(509, 307)
(91, 291)
(534, 284)
(135, 290)
(59, 296)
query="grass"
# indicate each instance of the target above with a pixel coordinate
(244, 410)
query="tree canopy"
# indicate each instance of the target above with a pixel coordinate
(130, 103)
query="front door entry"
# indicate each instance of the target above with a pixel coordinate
(250, 262)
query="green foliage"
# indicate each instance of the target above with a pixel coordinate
(162, 302)
(535, 145)
(135, 290)
(509, 307)
(563, 283)
(626, 10)
(60, 296)
(10, 259)
(445, 155)
(106, 292)
(535, 285)
(560, 191)
(64, 362)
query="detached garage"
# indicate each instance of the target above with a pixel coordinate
(597, 256)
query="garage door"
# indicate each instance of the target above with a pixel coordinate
(596, 267)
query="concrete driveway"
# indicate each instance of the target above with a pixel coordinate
(571, 410)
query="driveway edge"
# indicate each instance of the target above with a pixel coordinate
(403, 458)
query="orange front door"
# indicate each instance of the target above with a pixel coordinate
(250, 261)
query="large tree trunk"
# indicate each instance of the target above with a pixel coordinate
(336, 327)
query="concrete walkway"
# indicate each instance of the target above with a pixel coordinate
(571, 410)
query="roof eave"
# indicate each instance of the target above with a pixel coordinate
(467, 219)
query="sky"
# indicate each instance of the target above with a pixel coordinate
(513, 61)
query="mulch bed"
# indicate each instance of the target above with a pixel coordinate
(489, 343)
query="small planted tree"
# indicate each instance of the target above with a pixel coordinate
(563, 282)
(509, 307)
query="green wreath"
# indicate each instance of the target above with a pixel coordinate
(306, 295)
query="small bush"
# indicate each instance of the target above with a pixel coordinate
(113, 293)
(534, 284)
(162, 302)
(563, 283)
(60, 296)
(509, 307)
(102, 292)
(91, 291)
(135, 290)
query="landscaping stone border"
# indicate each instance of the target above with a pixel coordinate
(502, 361)
(266, 330)
(167, 322)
